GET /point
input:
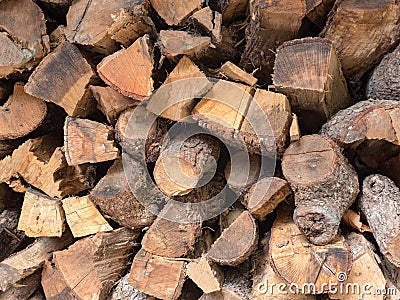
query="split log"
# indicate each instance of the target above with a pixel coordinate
(353, 219)
(98, 262)
(208, 21)
(25, 262)
(124, 291)
(176, 97)
(298, 262)
(365, 272)
(227, 249)
(184, 164)
(379, 199)
(176, 12)
(41, 164)
(114, 198)
(87, 141)
(23, 289)
(82, 217)
(41, 215)
(175, 43)
(48, 81)
(231, 10)
(157, 276)
(372, 28)
(21, 114)
(384, 82)
(140, 133)
(308, 72)
(234, 73)
(111, 103)
(265, 195)
(324, 186)
(206, 274)
(22, 46)
(294, 132)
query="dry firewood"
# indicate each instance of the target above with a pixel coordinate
(231, 10)
(384, 81)
(298, 262)
(140, 133)
(313, 166)
(175, 43)
(176, 12)
(157, 276)
(124, 291)
(21, 114)
(115, 199)
(372, 28)
(208, 21)
(234, 73)
(184, 164)
(228, 250)
(379, 199)
(48, 81)
(175, 99)
(353, 219)
(317, 13)
(207, 275)
(25, 262)
(364, 271)
(87, 141)
(82, 217)
(294, 132)
(22, 46)
(98, 262)
(57, 37)
(111, 103)
(42, 164)
(23, 289)
(265, 195)
(308, 72)
(41, 215)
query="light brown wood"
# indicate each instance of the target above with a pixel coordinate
(234, 73)
(206, 274)
(82, 217)
(90, 267)
(41, 215)
(175, 12)
(23, 289)
(21, 114)
(129, 70)
(22, 47)
(294, 131)
(157, 276)
(353, 219)
(208, 21)
(87, 141)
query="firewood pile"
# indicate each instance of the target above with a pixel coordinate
(199, 149)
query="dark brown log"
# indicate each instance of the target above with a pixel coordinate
(90, 267)
(207, 275)
(234, 73)
(48, 81)
(372, 28)
(22, 46)
(23, 289)
(115, 199)
(298, 262)
(87, 141)
(157, 276)
(308, 72)
(176, 12)
(324, 186)
(208, 21)
(129, 70)
(231, 10)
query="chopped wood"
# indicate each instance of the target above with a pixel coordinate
(207, 275)
(231, 251)
(176, 12)
(124, 291)
(87, 141)
(232, 10)
(372, 28)
(157, 276)
(234, 73)
(111, 102)
(183, 164)
(208, 21)
(176, 97)
(114, 198)
(98, 262)
(22, 46)
(308, 72)
(48, 81)
(353, 219)
(175, 43)
(265, 195)
(41, 215)
(57, 37)
(129, 70)
(82, 217)
(21, 114)
(298, 262)
(23, 289)
(25, 262)
(294, 131)
(11, 239)
(313, 166)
